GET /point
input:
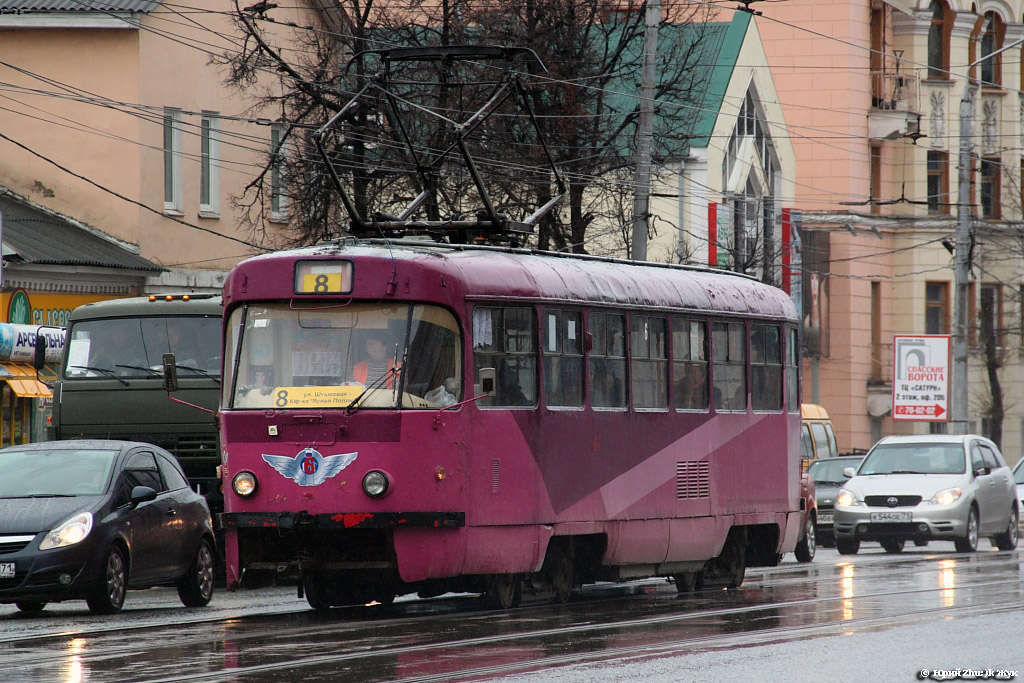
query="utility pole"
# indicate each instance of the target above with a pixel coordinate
(961, 260)
(961, 265)
(645, 130)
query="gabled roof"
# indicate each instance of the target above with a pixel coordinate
(724, 51)
(31, 235)
(12, 6)
(715, 43)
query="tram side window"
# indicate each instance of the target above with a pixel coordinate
(505, 356)
(608, 360)
(690, 364)
(649, 363)
(792, 378)
(563, 358)
(728, 348)
(765, 367)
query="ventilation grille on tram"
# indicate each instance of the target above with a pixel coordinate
(693, 479)
(495, 475)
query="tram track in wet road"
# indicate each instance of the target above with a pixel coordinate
(453, 639)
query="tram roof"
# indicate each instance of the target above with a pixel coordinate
(503, 272)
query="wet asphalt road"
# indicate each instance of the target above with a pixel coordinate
(270, 635)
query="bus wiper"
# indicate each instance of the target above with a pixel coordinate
(106, 371)
(200, 371)
(150, 371)
(353, 405)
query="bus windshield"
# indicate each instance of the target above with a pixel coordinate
(134, 347)
(355, 355)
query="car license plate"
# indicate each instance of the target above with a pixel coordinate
(892, 517)
(6, 570)
(824, 518)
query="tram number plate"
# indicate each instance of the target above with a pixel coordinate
(824, 518)
(6, 570)
(892, 517)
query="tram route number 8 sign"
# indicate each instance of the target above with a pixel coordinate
(920, 382)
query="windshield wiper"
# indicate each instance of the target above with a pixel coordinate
(199, 371)
(905, 472)
(44, 495)
(150, 371)
(106, 371)
(353, 405)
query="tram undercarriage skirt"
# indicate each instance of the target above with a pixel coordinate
(340, 520)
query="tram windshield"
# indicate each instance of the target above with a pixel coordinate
(355, 355)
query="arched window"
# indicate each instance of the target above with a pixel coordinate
(992, 33)
(938, 39)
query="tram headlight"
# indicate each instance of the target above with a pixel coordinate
(244, 484)
(375, 484)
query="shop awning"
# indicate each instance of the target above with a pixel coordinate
(21, 377)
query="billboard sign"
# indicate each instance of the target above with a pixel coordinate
(920, 383)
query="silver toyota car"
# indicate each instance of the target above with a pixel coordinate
(923, 488)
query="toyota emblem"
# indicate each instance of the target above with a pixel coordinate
(892, 501)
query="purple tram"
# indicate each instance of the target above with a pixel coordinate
(408, 416)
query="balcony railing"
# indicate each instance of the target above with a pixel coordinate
(895, 91)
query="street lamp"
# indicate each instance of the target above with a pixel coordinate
(961, 261)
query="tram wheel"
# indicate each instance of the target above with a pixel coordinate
(318, 595)
(562, 575)
(689, 582)
(736, 561)
(505, 591)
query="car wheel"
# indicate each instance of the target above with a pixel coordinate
(969, 542)
(108, 596)
(318, 592)
(30, 606)
(893, 545)
(804, 550)
(847, 546)
(195, 588)
(1008, 539)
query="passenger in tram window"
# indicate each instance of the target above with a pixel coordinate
(607, 385)
(510, 392)
(380, 362)
(691, 387)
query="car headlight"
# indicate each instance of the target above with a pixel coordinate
(946, 497)
(846, 498)
(70, 532)
(244, 484)
(375, 484)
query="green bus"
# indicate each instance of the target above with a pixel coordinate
(111, 386)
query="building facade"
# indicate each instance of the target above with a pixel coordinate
(872, 93)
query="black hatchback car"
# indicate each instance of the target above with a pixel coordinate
(90, 519)
(828, 477)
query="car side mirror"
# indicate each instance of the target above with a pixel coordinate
(848, 472)
(142, 494)
(170, 373)
(980, 471)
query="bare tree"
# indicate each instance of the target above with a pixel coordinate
(585, 102)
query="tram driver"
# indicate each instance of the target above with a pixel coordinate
(379, 362)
